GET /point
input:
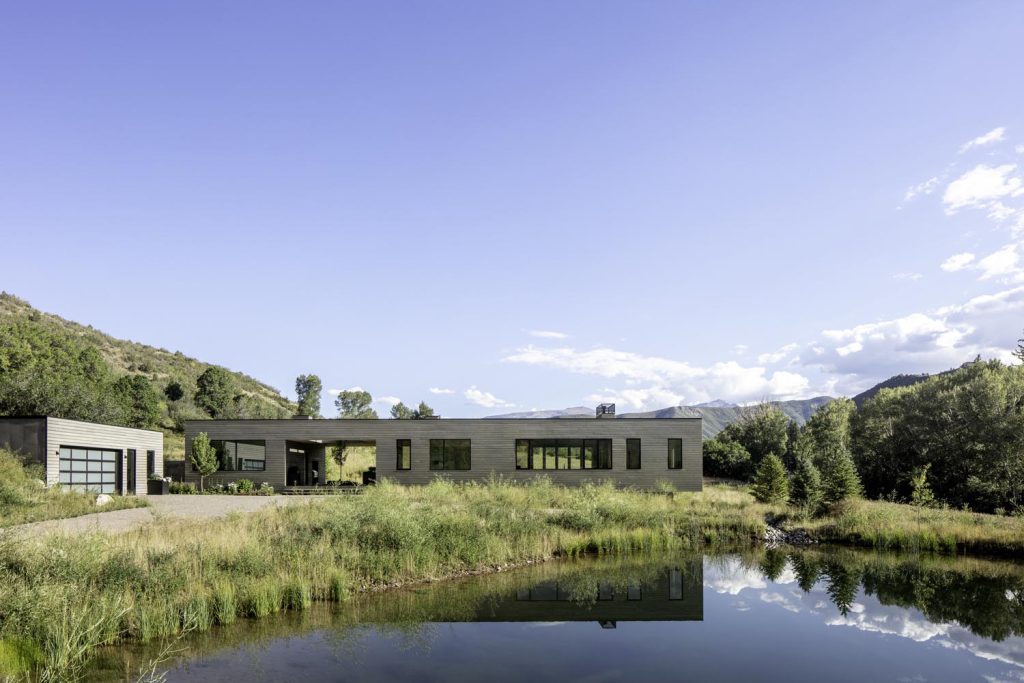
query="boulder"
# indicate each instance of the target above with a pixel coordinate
(103, 499)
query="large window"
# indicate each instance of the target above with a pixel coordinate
(450, 454)
(404, 448)
(563, 454)
(240, 456)
(632, 454)
(675, 454)
(90, 469)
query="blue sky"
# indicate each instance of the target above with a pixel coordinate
(523, 205)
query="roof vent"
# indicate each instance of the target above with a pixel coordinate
(606, 410)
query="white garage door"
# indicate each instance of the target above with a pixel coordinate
(89, 469)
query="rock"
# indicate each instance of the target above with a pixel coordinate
(103, 499)
(774, 537)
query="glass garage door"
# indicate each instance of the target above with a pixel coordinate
(91, 469)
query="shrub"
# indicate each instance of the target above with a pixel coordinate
(727, 459)
(245, 486)
(265, 489)
(185, 488)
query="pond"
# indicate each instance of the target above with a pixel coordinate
(814, 615)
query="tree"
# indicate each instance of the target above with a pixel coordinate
(761, 429)
(354, 404)
(839, 478)
(1019, 351)
(308, 388)
(828, 430)
(805, 488)
(140, 399)
(726, 459)
(423, 411)
(174, 392)
(203, 458)
(400, 411)
(770, 483)
(215, 391)
(921, 493)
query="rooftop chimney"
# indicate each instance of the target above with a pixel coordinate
(606, 410)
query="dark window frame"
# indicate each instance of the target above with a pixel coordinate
(150, 463)
(633, 454)
(537, 454)
(677, 463)
(218, 445)
(449, 455)
(66, 466)
(401, 445)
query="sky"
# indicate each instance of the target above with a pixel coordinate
(507, 206)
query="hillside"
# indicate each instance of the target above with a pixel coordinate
(43, 343)
(716, 414)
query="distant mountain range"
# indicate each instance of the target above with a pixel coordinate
(717, 414)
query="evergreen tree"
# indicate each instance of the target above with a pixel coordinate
(805, 488)
(921, 493)
(307, 389)
(839, 478)
(174, 392)
(770, 484)
(423, 411)
(203, 457)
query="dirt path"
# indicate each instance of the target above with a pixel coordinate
(161, 507)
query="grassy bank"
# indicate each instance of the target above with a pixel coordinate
(24, 499)
(891, 526)
(61, 596)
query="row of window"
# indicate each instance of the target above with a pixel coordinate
(539, 454)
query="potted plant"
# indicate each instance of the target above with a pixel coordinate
(158, 486)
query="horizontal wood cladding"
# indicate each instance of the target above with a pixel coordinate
(60, 432)
(493, 447)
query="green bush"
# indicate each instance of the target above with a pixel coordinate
(184, 488)
(245, 486)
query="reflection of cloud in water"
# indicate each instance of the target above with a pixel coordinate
(869, 615)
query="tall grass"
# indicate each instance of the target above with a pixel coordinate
(70, 593)
(24, 498)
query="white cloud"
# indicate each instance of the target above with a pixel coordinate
(981, 186)
(485, 399)
(999, 263)
(957, 262)
(1019, 149)
(388, 400)
(441, 392)
(727, 380)
(923, 188)
(548, 334)
(994, 135)
(779, 355)
(913, 277)
(660, 397)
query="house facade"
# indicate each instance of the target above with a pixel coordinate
(85, 456)
(631, 452)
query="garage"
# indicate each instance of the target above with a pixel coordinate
(89, 469)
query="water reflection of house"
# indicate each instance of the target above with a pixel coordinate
(674, 595)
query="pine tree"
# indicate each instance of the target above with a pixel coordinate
(805, 489)
(839, 478)
(770, 484)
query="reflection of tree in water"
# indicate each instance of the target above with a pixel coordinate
(773, 563)
(986, 597)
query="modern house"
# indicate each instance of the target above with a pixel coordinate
(85, 456)
(636, 452)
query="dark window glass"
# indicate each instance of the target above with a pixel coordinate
(522, 454)
(404, 448)
(89, 470)
(675, 454)
(632, 454)
(239, 456)
(450, 454)
(675, 585)
(563, 454)
(150, 463)
(130, 473)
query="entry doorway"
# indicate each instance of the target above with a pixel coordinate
(305, 464)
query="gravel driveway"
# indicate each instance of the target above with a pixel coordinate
(162, 507)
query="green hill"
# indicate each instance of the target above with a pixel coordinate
(49, 365)
(716, 417)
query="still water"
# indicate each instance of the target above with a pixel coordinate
(771, 616)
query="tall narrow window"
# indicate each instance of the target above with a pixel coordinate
(522, 454)
(675, 454)
(150, 463)
(632, 454)
(404, 448)
(450, 454)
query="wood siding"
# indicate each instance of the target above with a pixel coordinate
(493, 447)
(60, 432)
